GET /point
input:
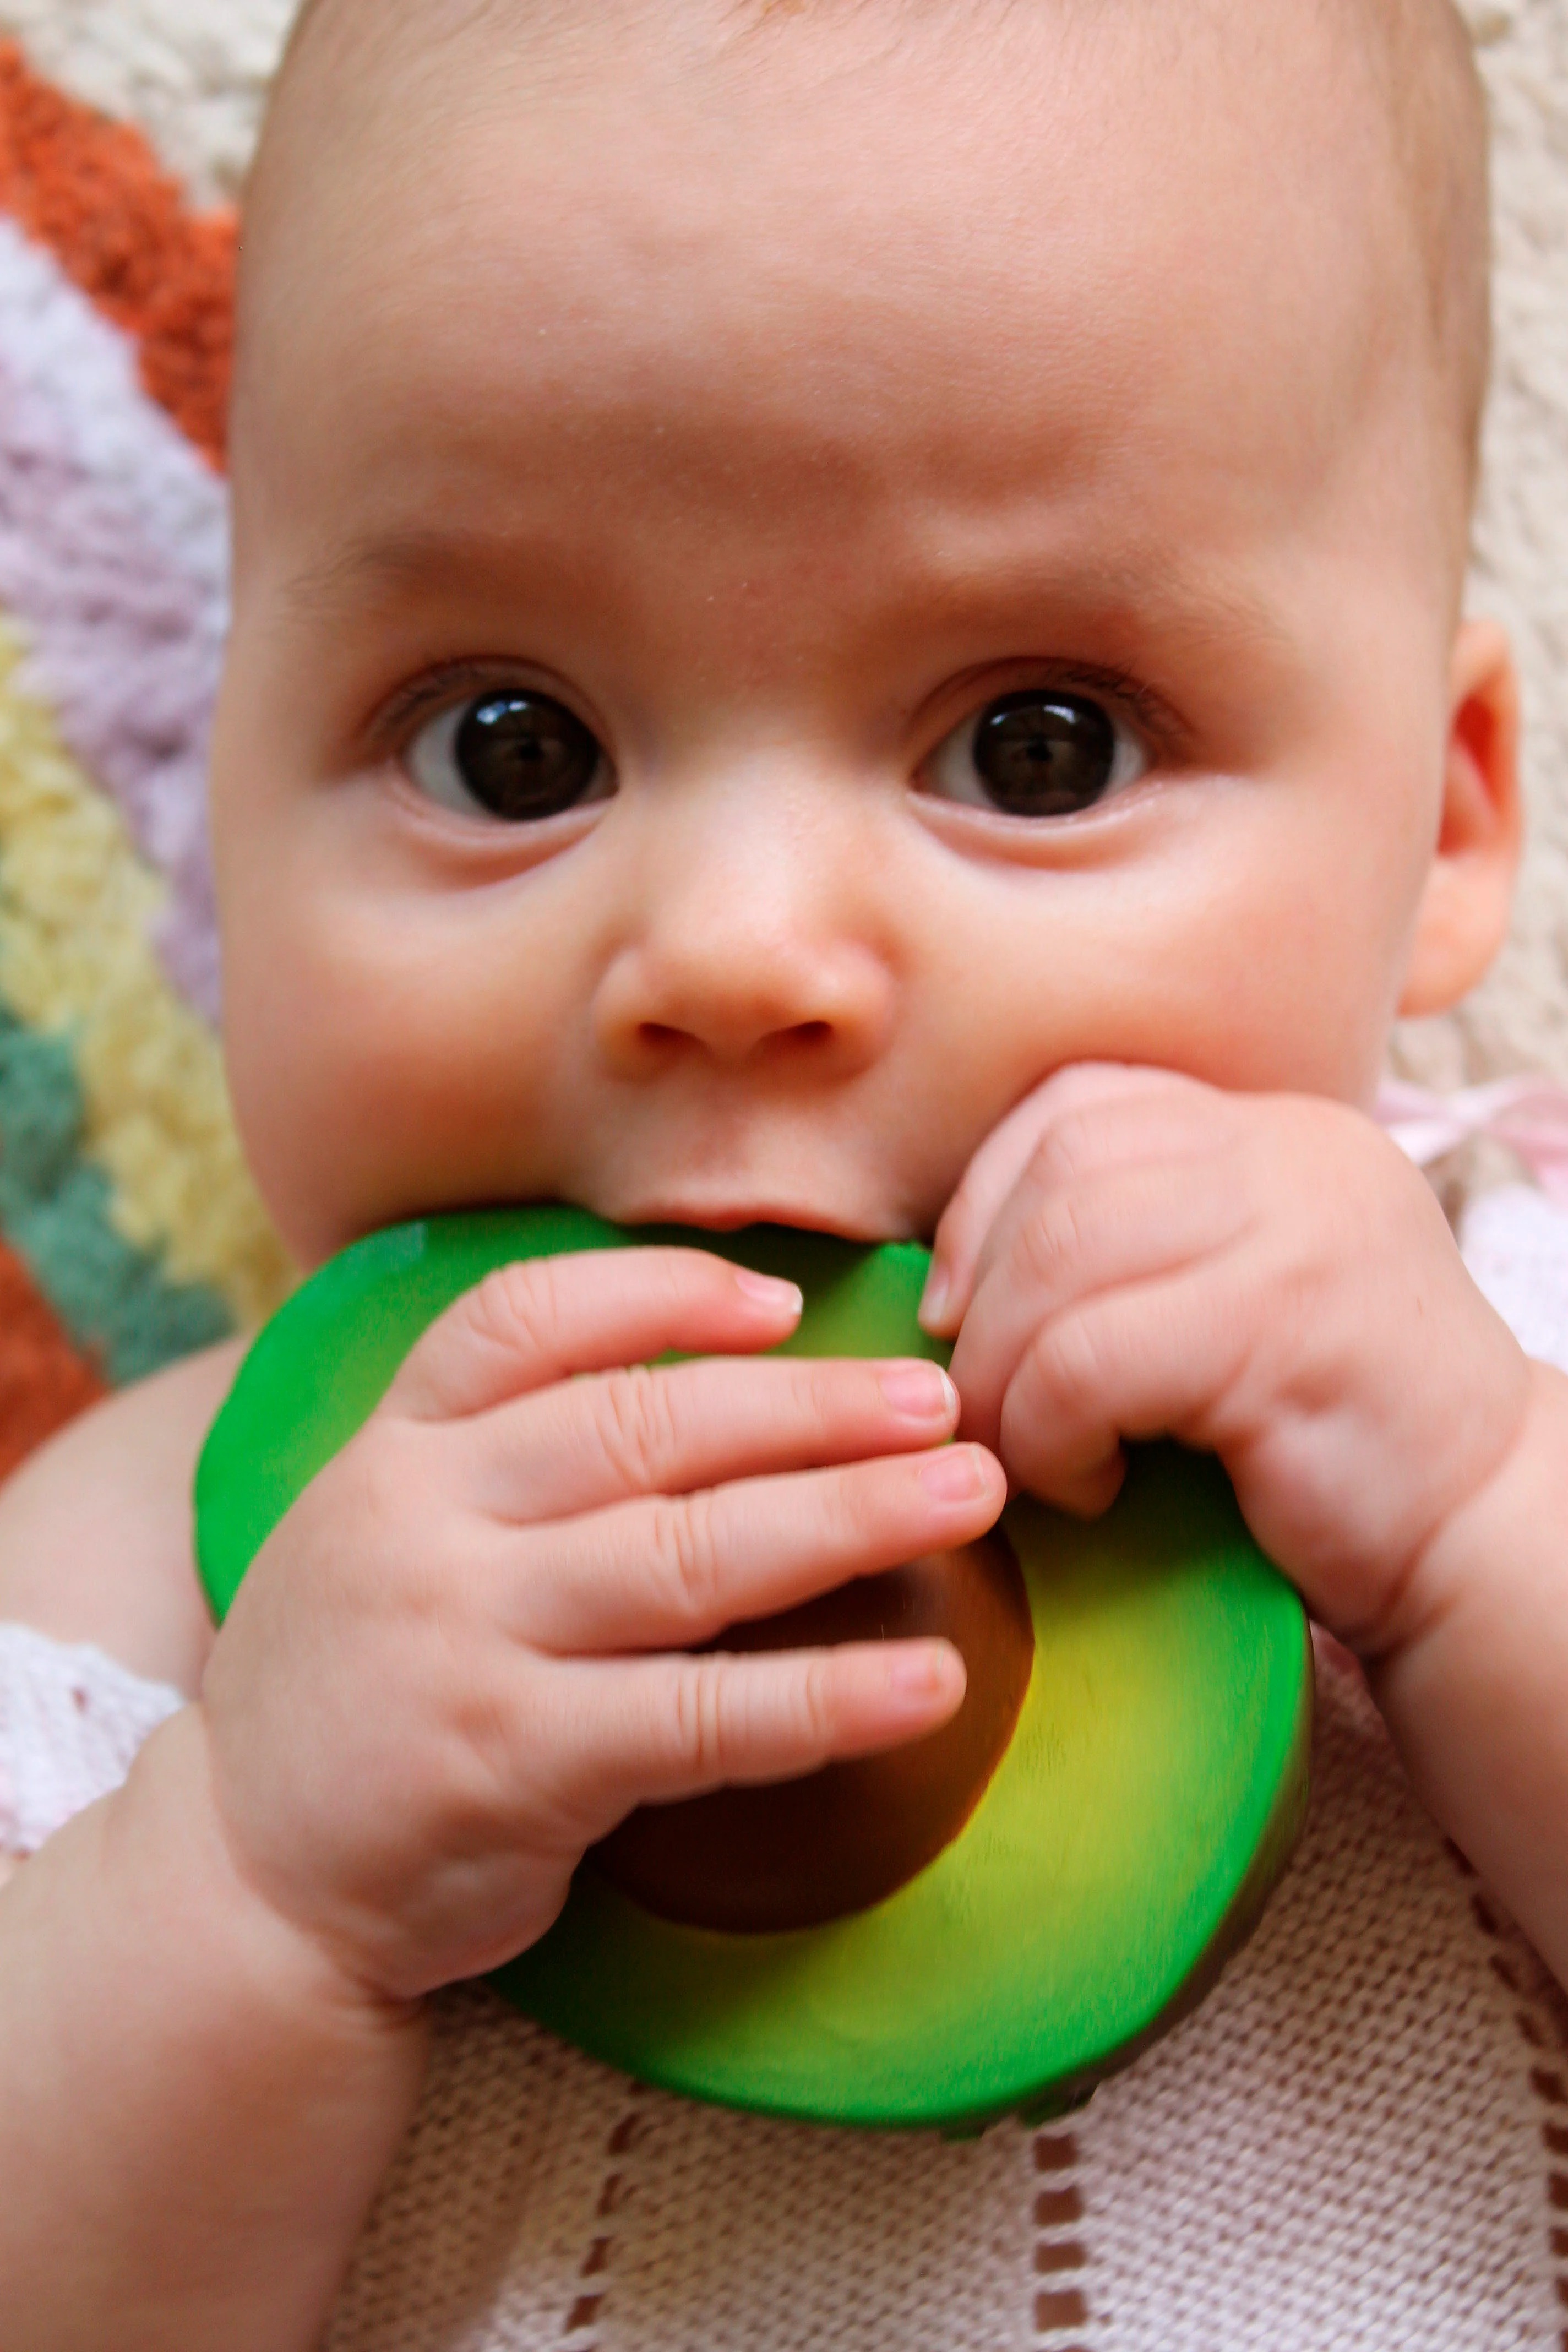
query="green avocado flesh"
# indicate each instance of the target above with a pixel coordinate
(1125, 1845)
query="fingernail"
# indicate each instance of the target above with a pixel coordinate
(934, 1299)
(768, 1292)
(920, 1392)
(956, 1475)
(922, 1670)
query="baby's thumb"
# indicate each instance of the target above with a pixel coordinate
(989, 1183)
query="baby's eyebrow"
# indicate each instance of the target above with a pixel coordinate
(1193, 612)
(390, 559)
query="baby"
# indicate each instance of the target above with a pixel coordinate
(844, 615)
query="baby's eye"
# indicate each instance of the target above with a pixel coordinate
(1037, 754)
(510, 754)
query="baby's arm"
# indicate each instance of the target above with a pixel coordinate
(194, 2108)
(459, 1659)
(169, 2055)
(95, 1529)
(1135, 1254)
(1474, 1684)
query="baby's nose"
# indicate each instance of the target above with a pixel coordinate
(782, 967)
(823, 1007)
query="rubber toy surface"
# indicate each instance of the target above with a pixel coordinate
(1147, 1800)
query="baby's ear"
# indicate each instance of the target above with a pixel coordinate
(1463, 917)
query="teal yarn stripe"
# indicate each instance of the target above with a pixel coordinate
(115, 1300)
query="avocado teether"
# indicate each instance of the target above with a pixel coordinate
(989, 1920)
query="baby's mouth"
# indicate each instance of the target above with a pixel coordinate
(734, 1216)
(728, 1213)
(842, 1167)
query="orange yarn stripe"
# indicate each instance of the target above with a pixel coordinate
(43, 1382)
(118, 224)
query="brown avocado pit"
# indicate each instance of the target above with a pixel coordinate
(796, 1853)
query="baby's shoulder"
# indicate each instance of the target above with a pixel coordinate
(95, 1529)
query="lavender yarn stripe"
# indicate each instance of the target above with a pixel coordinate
(114, 556)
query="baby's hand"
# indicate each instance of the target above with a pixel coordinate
(1135, 1254)
(462, 1657)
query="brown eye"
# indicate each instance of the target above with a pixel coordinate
(1038, 753)
(514, 755)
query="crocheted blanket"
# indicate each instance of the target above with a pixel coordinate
(129, 1229)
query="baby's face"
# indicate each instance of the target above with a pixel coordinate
(792, 580)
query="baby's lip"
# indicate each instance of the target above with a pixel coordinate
(730, 1216)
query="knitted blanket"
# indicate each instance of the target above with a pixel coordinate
(129, 1229)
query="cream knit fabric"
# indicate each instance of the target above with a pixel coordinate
(1360, 2144)
(1342, 2148)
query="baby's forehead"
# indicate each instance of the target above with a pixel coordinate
(1411, 59)
(1413, 56)
(811, 117)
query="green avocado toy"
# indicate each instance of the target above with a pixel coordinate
(987, 1922)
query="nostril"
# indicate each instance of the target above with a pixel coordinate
(664, 1037)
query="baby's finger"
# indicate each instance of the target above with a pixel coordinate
(997, 1169)
(1132, 1223)
(666, 1572)
(656, 1729)
(543, 1319)
(579, 1446)
(1150, 1359)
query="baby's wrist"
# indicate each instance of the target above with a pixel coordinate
(199, 2103)
(1466, 1559)
(170, 1834)
(1477, 1696)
